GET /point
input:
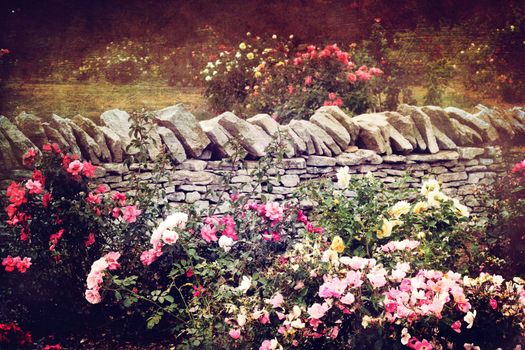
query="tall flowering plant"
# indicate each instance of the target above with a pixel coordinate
(57, 220)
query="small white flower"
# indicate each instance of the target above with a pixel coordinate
(469, 318)
(241, 319)
(245, 284)
(343, 177)
(226, 243)
(405, 336)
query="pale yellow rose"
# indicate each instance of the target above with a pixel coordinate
(429, 186)
(242, 46)
(337, 244)
(386, 228)
(460, 209)
(420, 207)
(400, 208)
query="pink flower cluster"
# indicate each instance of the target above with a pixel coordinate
(20, 264)
(404, 245)
(425, 294)
(519, 168)
(165, 233)
(213, 224)
(96, 276)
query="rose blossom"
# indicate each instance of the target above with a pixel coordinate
(75, 167)
(93, 296)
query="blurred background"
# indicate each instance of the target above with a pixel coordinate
(70, 57)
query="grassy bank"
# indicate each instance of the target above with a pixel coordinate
(91, 99)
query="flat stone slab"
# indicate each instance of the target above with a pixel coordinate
(185, 126)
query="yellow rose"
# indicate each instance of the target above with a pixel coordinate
(419, 207)
(386, 228)
(242, 46)
(257, 74)
(250, 56)
(400, 208)
(337, 244)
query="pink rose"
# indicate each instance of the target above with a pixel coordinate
(111, 259)
(130, 214)
(93, 296)
(209, 233)
(75, 167)
(317, 310)
(170, 237)
(235, 333)
(34, 187)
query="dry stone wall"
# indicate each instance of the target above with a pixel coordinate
(463, 173)
(452, 145)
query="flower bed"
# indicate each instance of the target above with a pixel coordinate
(370, 266)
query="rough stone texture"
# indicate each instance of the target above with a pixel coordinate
(300, 129)
(290, 180)
(253, 138)
(88, 147)
(54, 136)
(173, 145)
(320, 161)
(362, 156)
(154, 145)
(406, 127)
(470, 152)
(317, 140)
(294, 163)
(66, 131)
(423, 124)
(443, 141)
(346, 121)
(399, 143)
(193, 165)
(436, 157)
(332, 127)
(8, 159)
(19, 143)
(195, 177)
(118, 121)
(485, 130)
(185, 126)
(113, 143)
(298, 143)
(273, 129)
(96, 134)
(497, 120)
(221, 140)
(32, 127)
(374, 133)
(466, 136)
(440, 120)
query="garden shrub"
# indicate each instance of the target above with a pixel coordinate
(507, 219)
(380, 273)
(119, 63)
(57, 223)
(373, 215)
(287, 80)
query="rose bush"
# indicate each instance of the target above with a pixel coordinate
(286, 79)
(57, 221)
